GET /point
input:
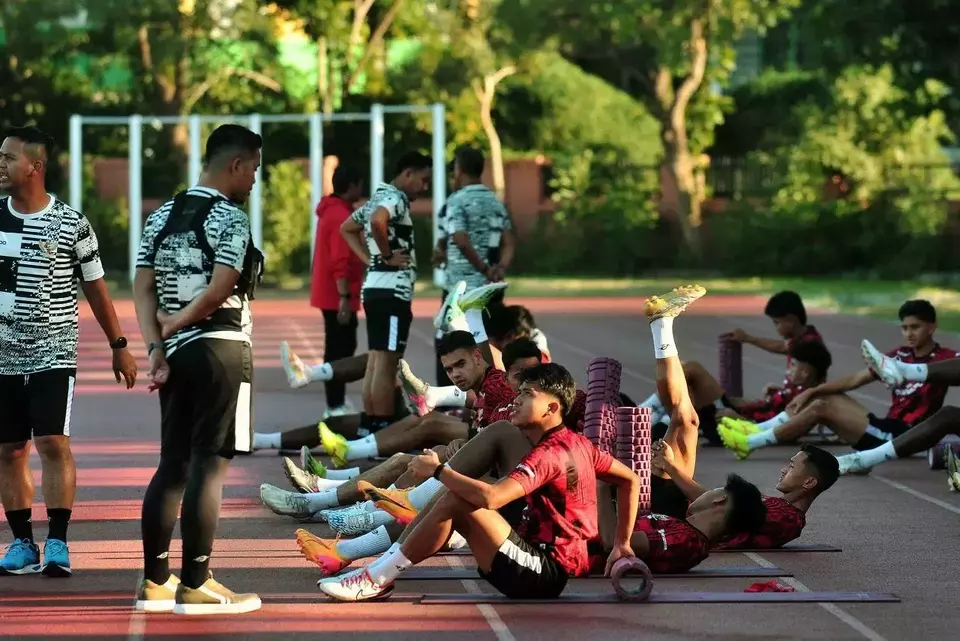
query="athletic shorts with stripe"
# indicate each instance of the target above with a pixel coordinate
(206, 406)
(37, 404)
(388, 323)
(522, 571)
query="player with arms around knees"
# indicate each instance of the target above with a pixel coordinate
(46, 250)
(196, 272)
(389, 252)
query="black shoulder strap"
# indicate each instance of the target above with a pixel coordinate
(183, 219)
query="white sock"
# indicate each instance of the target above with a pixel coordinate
(388, 567)
(774, 422)
(761, 439)
(363, 448)
(328, 484)
(878, 455)
(421, 495)
(450, 396)
(663, 344)
(323, 500)
(343, 475)
(375, 542)
(456, 541)
(458, 323)
(916, 372)
(269, 441)
(369, 506)
(475, 321)
(719, 404)
(320, 373)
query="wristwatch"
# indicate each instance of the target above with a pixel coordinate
(120, 343)
(154, 345)
(438, 471)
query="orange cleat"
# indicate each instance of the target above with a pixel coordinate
(396, 503)
(323, 552)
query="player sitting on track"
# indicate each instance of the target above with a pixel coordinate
(670, 544)
(828, 404)
(810, 473)
(558, 481)
(789, 318)
(899, 375)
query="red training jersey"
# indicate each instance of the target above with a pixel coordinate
(559, 479)
(783, 524)
(675, 545)
(334, 259)
(772, 405)
(810, 334)
(913, 402)
(495, 393)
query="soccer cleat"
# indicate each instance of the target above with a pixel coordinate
(333, 444)
(356, 587)
(953, 467)
(213, 598)
(22, 557)
(157, 598)
(450, 318)
(414, 389)
(881, 365)
(322, 552)
(302, 481)
(479, 297)
(294, 368)
(56, 559)
(396, 503)
(339, 577)
(852, 464)
(673, 303)
(309, 464)
(341, 410)
(740, 425)
(734, 441)
(357, 522)
(285, 503)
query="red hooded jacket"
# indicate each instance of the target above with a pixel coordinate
(334, 259)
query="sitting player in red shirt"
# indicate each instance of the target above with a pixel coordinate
(557, 481)
(789, 318)
(810, 473)
(828, 404)
(671, 544)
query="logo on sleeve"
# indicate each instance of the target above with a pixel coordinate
(525, 469)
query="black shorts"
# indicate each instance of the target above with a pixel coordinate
(880, 431)
(37, 404)
(707, 416)
(667, 498)
(206, 406)
(388, 324)
(522, 571)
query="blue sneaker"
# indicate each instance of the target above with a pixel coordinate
(22, 557)
(56, 559)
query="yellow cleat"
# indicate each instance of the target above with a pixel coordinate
(396, 503)
(734, 441)
(743, 426)
(334, 444)
(673, 303)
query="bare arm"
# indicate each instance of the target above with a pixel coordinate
(628, 498)
(98, 297)
(352, 233)
(508, 244)
(145, 302)
(480, 494)
(379, 230)
(690, 488)
(845, 384)
(222, 283)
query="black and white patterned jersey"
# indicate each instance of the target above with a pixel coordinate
(183, 271)
(382, 280)
(475, 210)
(43, 256)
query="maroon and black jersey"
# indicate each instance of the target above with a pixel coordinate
(811, 334)
(559, 479)
(913, 402)
(770, 406)
(783, 524)
(675, 545)
(495, 393)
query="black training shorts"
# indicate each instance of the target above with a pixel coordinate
(206, 406)
(522, 571)
(880, 431)
(388, 324)
(37, 404)
(667, 498)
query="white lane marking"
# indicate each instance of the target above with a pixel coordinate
(856, 624)
(497, 626)
(916, 493)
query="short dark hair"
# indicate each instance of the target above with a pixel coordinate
(470, 161)
(520, 348)
(30, 135)
(345, 177)
(453, 341)
(233, 140)
(922, 309)
(786, 303)
(746, 512)
(509, 320)
(813, 353)
(413, 160)
(555, 380)
(823, 465)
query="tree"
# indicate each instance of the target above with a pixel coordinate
(661, 51)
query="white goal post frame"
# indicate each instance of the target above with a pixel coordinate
(135, 124)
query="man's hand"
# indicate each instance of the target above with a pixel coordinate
(424, 465)
(439, 258)
(495, 273)
(344, 313)
(619, 551)
(800, 401)
(770, 388)
(159, 370)
(398, 259)
(125, 366)
(662, 456)
(737, 335)
(167, 324)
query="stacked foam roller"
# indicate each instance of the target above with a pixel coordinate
(731, 367)
(633, 447)
(603, 396)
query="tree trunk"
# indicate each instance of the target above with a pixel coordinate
(681, 170)
(324, 86)
(486, 94)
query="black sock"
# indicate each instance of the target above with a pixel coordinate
(161, 506)
(200, 515)
(21, 524)
(59, 519)
(376, 423)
